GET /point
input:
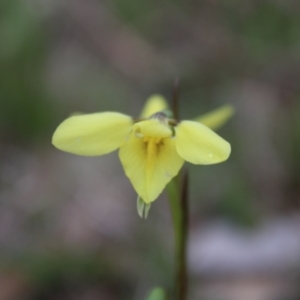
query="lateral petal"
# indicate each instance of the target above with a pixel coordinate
(149, 167)
(198, 144)
(92, 134)
(154, 104)
(217, 118)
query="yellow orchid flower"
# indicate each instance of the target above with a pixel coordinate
(152, 149)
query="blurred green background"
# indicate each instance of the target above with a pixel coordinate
(68, 225)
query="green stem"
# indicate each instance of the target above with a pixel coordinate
(175, 99)
(178, 200)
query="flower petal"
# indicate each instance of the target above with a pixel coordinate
(198, 144)
(154, 104)
(152, 128)
(92, 134)
(149, 166)
(217, 118)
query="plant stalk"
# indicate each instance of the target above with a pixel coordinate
(178, 200)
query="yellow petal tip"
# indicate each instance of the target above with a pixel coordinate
(218, 117)
(154, 104)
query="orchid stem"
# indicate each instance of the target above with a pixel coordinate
(178, 200)
(175, 99)
(182, 245)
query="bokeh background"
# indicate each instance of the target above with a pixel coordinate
(68, 225)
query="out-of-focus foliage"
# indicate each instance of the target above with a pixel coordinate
(25, 110)
(157, 294)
